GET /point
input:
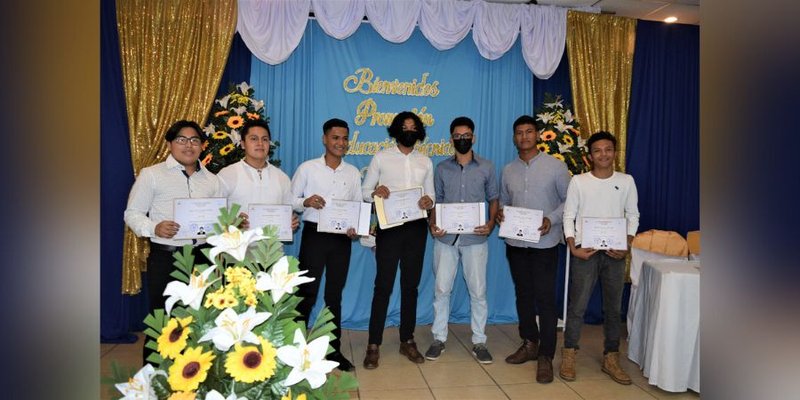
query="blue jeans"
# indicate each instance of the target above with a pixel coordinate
(445, 266)
(583, 275)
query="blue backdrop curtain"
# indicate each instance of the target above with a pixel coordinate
(306, 90)
(663, 127)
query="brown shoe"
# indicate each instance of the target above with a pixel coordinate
(373, 354)
(612, 368)
(409, 349)
(528, 351)
(567, 370)
(544, 369)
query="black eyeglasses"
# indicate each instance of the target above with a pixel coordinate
(183, 140)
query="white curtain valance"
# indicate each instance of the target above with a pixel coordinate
(272, 29)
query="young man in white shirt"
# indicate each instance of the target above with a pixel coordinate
(150, 204)
(254, 179)
(600, 193)
(316, 181)
(397, 168)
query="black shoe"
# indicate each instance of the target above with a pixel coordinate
(344, 363)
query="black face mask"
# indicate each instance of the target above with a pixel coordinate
(462, 145)
(407, 138)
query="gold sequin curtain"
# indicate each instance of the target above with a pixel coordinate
(600, 51)
(173, 55)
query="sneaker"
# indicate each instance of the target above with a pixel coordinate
(435, 351)
(481, 353)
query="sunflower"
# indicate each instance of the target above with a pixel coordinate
(247, 364)
(543, 147)
(568, 140)
(173, 337)
(227, 149)
(559, 156)
(182, 396)
(190, 369)
(219, 135)
(548, 135)
(235, 121)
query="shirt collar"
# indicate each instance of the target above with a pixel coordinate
(172, 163)
(532, 159)
(475, 159)
(248, 166)
(324, 164)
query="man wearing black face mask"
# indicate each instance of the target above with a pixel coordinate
(398, 168)
(464, 178)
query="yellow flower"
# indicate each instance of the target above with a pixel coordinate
(235, 121)
(568, 140)
(207, 159)
(173, 337)
(237, 274)
(220, 113)
(543, 147)
(251, 300)
(219, 135)
(240, 99)
(190, 369)
(288, 396)
(221, 300)
(548, 135)
(247, 364)
(559, 156)
(227, 149)
(182, 396)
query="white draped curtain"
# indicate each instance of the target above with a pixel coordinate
(272, 29)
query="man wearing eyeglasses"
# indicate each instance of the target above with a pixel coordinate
(150, 204)
(463, 178)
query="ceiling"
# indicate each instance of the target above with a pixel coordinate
(687, 11)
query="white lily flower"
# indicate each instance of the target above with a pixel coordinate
(235, 328)
(257, 104)
(192, 294)
(582, 143)
(224, 101)
(562, 127)
(564, 148)
(556, 103)
(138, 387)
(307, 360)
(233, 242)
(568, 116)
(240, 110)
(215, 395)
(244, 87)
(235, 136)
(209, 129)
(279, 281)
(545, 117)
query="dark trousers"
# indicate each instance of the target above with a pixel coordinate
(404, 244)
(319, 250)
(534, 274)
(583, 275)
(159, 266)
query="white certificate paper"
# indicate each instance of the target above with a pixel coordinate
(197, 217)
(280, 215)
(340, 215)
(604, 233)
(460, 218)
(521, 224)
(401, 207)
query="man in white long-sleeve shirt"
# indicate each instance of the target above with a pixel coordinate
(600, 193)
(150, 204)
(314, 183)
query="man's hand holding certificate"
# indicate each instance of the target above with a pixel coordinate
(261, 215)
(460, 218)
(338, 216)
(521, 224)
(400, 207)
(604, 233)
(196, 217)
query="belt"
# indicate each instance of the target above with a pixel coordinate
(165, 247)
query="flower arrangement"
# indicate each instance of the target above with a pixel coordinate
(559, 135)
(228, 332)
(227, 116)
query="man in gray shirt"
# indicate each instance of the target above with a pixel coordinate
(537, 181)
(463, 178)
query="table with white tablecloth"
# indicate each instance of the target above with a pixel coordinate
(664, 337)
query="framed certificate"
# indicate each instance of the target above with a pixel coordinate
(399, 208)
(521, 224)
(604, 233)
(197, 217)
(279, 215)
(461, 218)
(339, 215)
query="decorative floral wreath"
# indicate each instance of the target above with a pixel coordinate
(559, 135)
(227, 116)
(228, 331)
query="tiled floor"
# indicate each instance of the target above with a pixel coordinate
(456, 375)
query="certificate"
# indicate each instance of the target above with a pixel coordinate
(521, 224)
(339, 215)
(604, 233)
(401, 207)
(197, 217)
(279, 215)
(461, 218)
